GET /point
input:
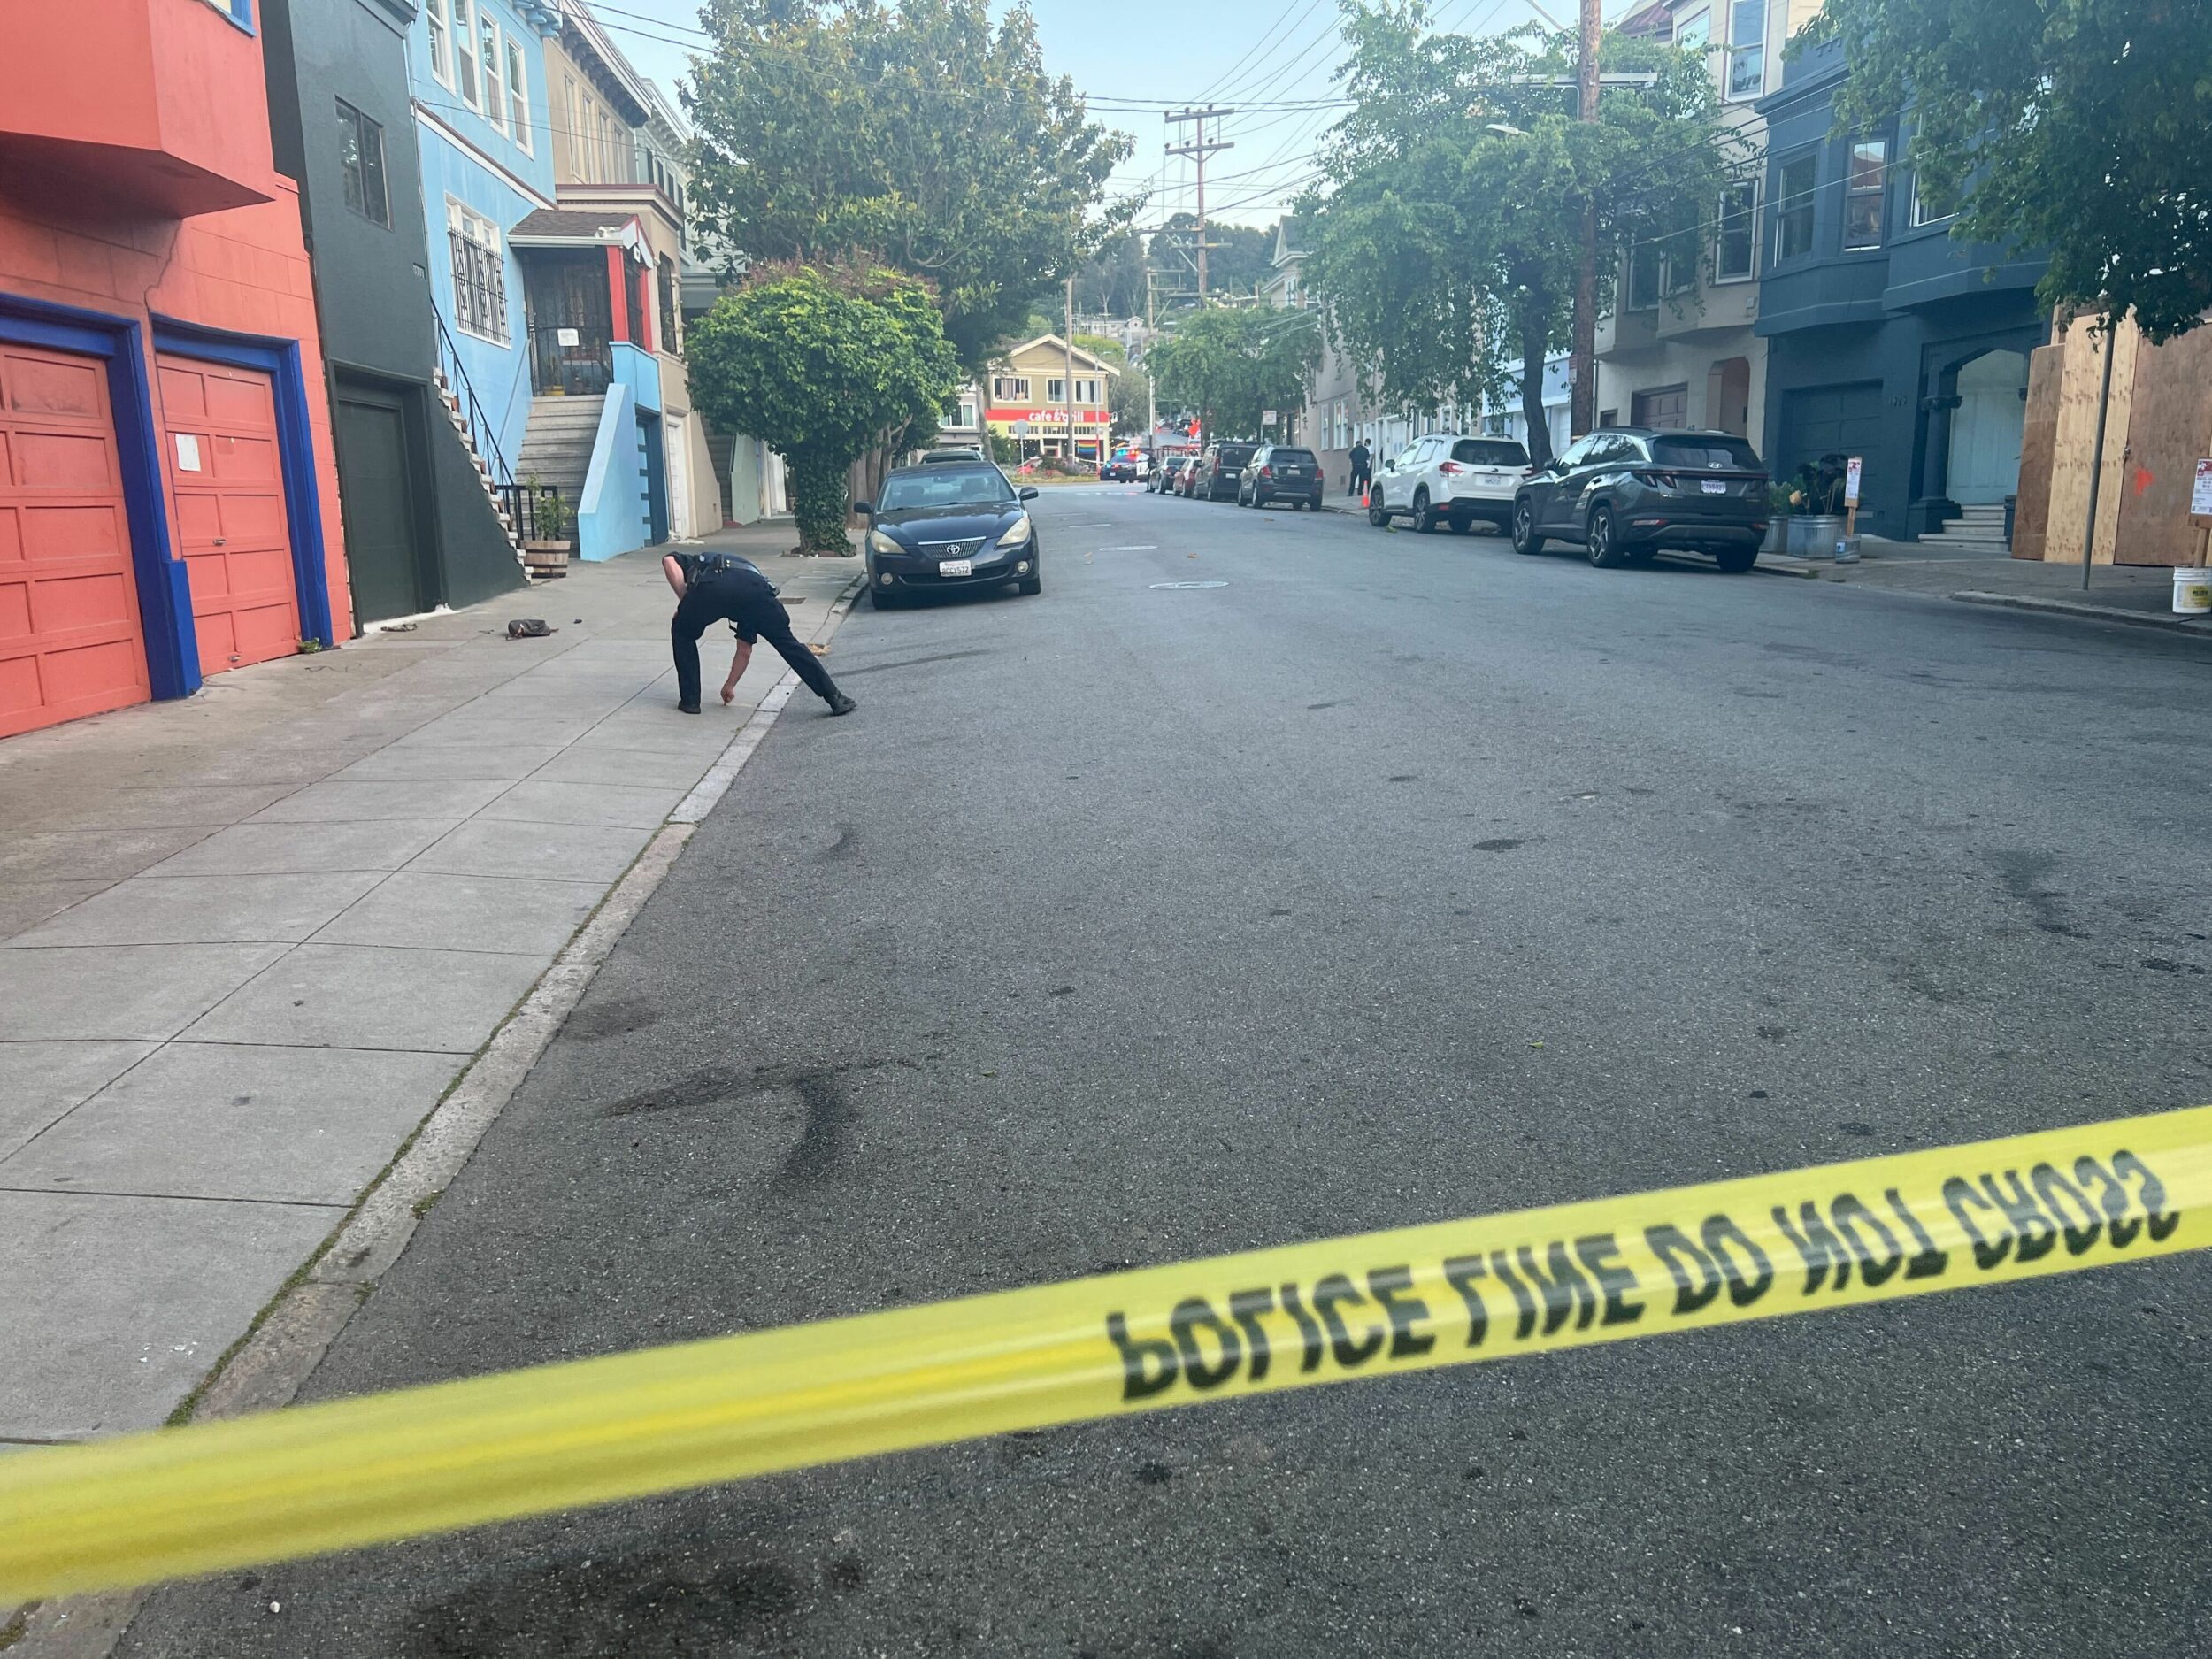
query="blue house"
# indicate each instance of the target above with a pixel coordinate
(485, 143)
(1888, 339)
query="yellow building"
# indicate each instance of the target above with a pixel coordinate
(1027, 398)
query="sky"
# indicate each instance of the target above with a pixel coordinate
(1263, 57)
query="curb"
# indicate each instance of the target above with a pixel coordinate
(2077, 608)
(289, 1337)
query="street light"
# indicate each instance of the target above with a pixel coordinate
(1505, 129)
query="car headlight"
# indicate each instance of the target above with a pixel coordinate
(1017, 534)
(879, 543)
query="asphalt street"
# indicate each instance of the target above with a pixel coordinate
(1396, 879)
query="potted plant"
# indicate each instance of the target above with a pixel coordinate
(1781, 503)
(1817, 508)
(545, 552)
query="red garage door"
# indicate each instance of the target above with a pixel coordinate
(219, 449)
(69, 634)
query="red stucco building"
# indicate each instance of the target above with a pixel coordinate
(168, 500)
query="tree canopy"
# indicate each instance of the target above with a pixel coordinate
(1229, 365)
(1447, 228)
(2078, 127)
(823, 367)
(915, 135)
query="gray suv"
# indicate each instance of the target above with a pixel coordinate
(1626, 493)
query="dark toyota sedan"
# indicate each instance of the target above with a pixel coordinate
(948, 526)
(1627, 492)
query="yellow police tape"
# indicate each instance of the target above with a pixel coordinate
(315, 1478)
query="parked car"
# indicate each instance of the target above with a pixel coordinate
(1449, 478)
(1219, 467)
(1280, 471)
(1186, 477)
(1121, 470)
(944, 526)
(1627, 492)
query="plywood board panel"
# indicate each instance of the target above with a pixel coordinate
(2038, 436)
(2170, 426)
(2079, 387)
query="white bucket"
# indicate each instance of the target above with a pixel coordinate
(2192, 593)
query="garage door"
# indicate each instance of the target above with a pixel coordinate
(227, 476)
(1820, 419)
(69, 633)
(1663, 406)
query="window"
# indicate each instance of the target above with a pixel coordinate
(1011, 387)
(1735, 238)
(605, 173)
(1712, 454)
(361, 158)
(239, 11)
(967, 417)
(1746, 48)
(944, 484)
(440, 41)
(518, 96)
(1086, 393)
(669, 290)
(1928, 207)
(1864, 193)
(1489, 451)
(1793, 207)
(464, 58)
(494, 78)
(1643, 276)
(479, 274)
(1692, 34)
(1056, 391)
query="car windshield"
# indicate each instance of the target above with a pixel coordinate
(1291, 457)
(1489, 452)
(945, 487)
(1705, 453)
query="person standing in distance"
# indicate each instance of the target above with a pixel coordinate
(723, 588)
(1363, 467)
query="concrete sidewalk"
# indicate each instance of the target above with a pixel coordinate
(248, 940)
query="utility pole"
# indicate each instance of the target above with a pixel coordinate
(1067, 383)
(1583, 367)
(1198, 150)
(1151, 385)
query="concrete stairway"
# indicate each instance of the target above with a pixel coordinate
(556, 444)
(483, 469)
(1979, 530)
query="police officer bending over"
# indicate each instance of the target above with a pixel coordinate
(721, 587)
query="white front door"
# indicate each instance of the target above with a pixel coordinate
(1985, 429)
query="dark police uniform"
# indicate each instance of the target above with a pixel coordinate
(723, 588)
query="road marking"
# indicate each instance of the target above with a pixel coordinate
(1184, 585)
(1139, 547)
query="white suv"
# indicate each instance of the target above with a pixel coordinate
(1449, 478)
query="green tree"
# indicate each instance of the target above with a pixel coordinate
(2078, 127)
(1112, 284)
(1239, 257)
(915, 135)
(1229, 365)
(823, 367)
(1447, 229)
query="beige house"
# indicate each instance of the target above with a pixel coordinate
(617, 149)
(1026, 397)
(1681, 347)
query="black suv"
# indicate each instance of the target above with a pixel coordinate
(1624, 493)
(1279, 473)
(1219, 471)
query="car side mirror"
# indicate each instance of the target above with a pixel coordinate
(864, 506)
(1029, 491)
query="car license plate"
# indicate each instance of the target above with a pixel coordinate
(955, 567)
(1714, 486)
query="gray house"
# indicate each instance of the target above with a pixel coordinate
(425, 524)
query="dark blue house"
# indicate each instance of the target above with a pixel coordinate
(1886, 339)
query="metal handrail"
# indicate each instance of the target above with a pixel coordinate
(473, 415)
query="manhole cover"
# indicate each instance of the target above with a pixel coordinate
(1190, 584)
